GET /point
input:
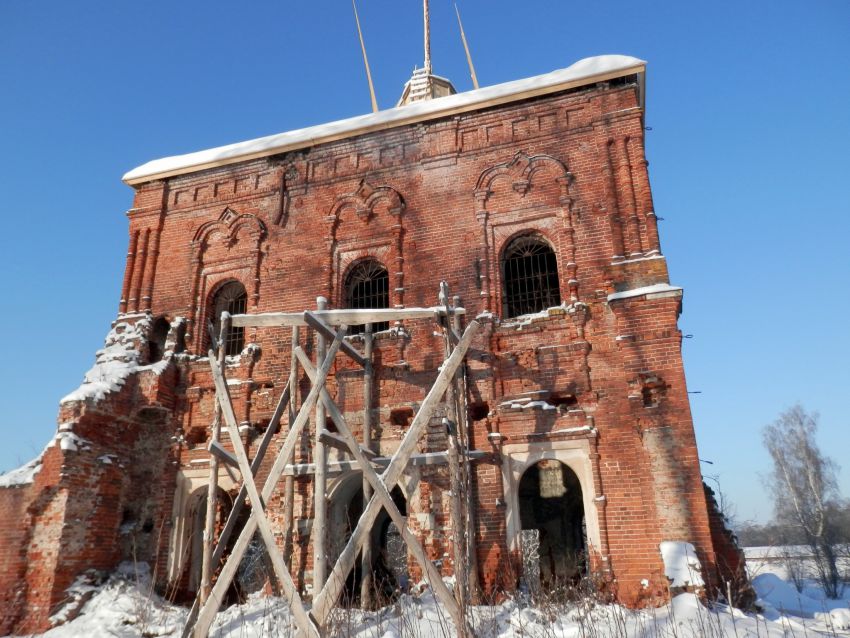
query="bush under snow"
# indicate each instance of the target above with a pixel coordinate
(125, 607)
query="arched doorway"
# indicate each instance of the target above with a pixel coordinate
(196, 514)
(389, 553)
(252, 572)
(553, 536)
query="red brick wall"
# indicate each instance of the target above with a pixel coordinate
(431, 201)
(14, 532)
(117, 473)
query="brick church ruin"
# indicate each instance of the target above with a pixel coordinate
(560, 446)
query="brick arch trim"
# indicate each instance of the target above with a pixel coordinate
(521, 167)
(386, 247)
(229, 224)
(364, 199)
(556, 223)
(207, 273)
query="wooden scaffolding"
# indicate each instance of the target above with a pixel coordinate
(380, 474)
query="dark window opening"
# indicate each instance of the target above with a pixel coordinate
(179, 337)
(566, 400)
(622, 81)
(262, 425)
(196, 436)
(401, 416)
(368, 286)
(232, 298)
(478, 411)
(158, 337)
(330, 424)
(652, 390)
(531, 276)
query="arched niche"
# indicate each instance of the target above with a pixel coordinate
(389, 553)
(576, 455)
(552, 521)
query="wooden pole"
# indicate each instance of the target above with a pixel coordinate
(239, 503)
(241, 497)
(456, 502)
(320, 481)
(289, 481)
(466, 472)
(212, 484)
(345, 316)
(366, 584)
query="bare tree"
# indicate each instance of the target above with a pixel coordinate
(805, 489)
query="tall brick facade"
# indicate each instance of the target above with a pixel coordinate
(432, 193)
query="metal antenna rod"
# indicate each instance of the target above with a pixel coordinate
(466, 48)
(427, 18)
(365, 59)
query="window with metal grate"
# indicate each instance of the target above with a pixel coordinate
(530, 275)
(231, 297)
(368, 286)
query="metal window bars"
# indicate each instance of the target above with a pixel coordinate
(232, 298)
(531, 276)
(367, 286)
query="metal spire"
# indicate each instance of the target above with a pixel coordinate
(466, 48)
(365, 59)
(427, 18)
(423, 85)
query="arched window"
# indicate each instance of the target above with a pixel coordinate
(368, 286)
(530, 273)
(232, 298)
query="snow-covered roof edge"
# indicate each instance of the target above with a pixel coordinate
(586, 71)
(653, 291)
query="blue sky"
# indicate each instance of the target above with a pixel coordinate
(749, 105)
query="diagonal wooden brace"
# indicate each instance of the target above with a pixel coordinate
(319, 326)
(228, 570)
(380, 493)
(239, 502)
(326, 599)
(258, 505)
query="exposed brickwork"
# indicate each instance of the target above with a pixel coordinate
(734, 583)
(15, 535)
(436, 200)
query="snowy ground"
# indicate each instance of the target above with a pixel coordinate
(123, 607)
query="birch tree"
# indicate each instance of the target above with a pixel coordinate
(804, 488)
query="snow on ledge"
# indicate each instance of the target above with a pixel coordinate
(586, 71)
(119, 358)
(69, 442)
(64, 438)
(23, 475)
(526, 404)
(681, 565)
(656, 290)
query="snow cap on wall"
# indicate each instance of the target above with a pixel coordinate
(586, 71)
